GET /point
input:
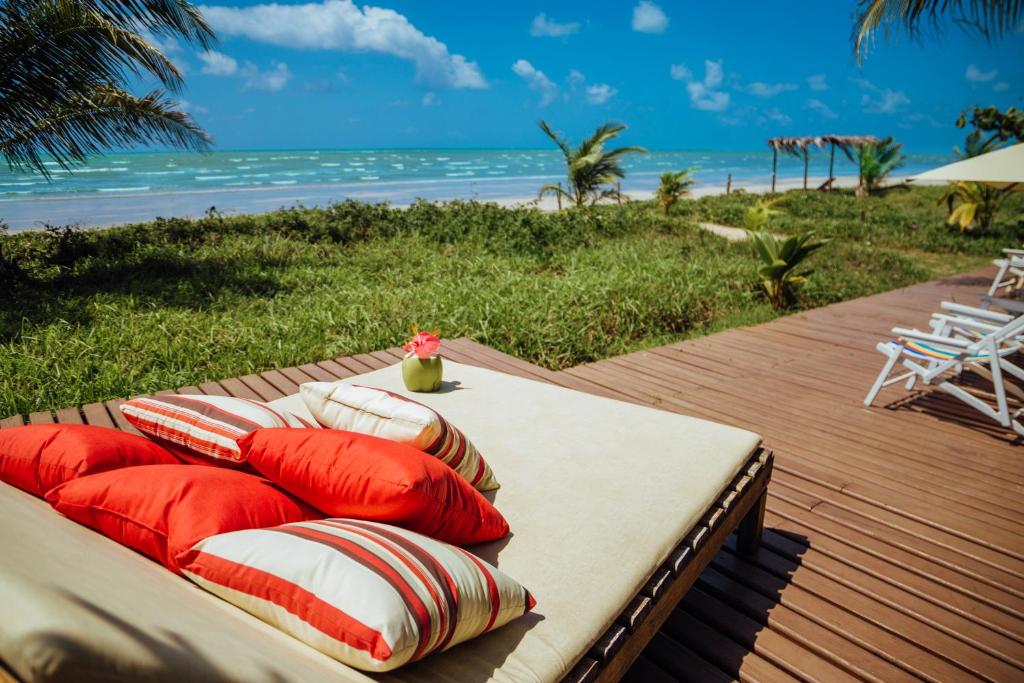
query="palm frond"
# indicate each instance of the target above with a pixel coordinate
(167, 18)
(558, 140)
(103, 118)
(987, 18)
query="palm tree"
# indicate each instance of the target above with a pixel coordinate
(969, 203)
(63, 67)
(589, 167)
(989, 18)
(674, 186)
(877, 160)
(779, 261)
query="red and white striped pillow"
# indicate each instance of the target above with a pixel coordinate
(381, 413)
(370, 595)
(201, 428)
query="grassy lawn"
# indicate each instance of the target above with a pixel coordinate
(95, 315)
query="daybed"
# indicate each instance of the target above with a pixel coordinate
(614, 508)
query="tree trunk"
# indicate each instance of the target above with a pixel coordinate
(806, 161)
(831, 166)
(775, 159)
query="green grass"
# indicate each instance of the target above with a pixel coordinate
(93, 315)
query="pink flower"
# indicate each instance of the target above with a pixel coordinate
(423, 345)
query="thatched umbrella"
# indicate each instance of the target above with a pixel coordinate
(800, 148)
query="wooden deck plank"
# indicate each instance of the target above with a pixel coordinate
(96, 414)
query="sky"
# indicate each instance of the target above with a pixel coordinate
(681, 75)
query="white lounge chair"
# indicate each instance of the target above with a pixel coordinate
(965, 337)
(1010, 275)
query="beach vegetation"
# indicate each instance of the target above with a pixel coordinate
(971, 204)
(1001, 126)
(672, 187)
(876, 160)
(101, 314)
(757, 215)
(65, 66)
(779, 261)
(590, 168)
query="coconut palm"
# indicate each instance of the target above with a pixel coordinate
(674, 186)
(972, 203)
(779, 262)
(989, 18)
(590, 168)
(877, 160)
(63, 69)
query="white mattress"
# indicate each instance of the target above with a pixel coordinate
(597, 493)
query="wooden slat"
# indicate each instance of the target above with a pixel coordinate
(42, 417)
(96, 414)
(13, 421)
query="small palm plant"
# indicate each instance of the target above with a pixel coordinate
(674, 186)
(972, 203)
(756, 217)
(779, 262)
(590, 168)
(877, 161)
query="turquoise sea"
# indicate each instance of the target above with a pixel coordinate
(133, 186)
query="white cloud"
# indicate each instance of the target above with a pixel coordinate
(542, 27)
(882, 100)
(431, 100)
(341, 25)
(271, 80)
(822, 109)
(704, 95)
(976, 75)
(712, 73)
(220, 64)
(649, 18)
(217, 64)
(769, 89)
(191, 107)
(1001, 86)
(887, 102)
(816, 82)
(575, 79)
(536, 80)
(777, 117)
(599, 93)
(679, 72)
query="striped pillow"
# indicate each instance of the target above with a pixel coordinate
(381, 413)
(370, 595)
(200, 428)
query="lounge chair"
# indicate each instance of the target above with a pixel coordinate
(615, 510)
(964, 337)
(1010, 273)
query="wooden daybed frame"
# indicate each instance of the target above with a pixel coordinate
(739, 508)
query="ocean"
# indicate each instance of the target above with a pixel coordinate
(135, 186)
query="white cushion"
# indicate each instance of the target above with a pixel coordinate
(371, 595)
(392, 416)
(197, 426)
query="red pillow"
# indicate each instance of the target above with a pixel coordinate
(346, 474)
(163, 510)
(38, 457)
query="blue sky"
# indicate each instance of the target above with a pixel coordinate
(682, 75)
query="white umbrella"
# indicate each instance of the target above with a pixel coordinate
(1003, 169)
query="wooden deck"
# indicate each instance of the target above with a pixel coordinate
(893, 548)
